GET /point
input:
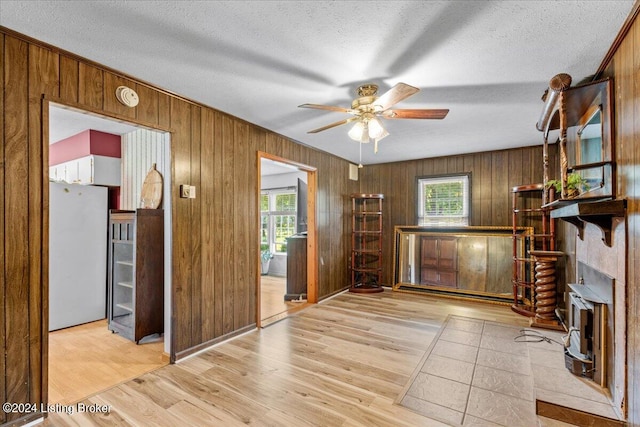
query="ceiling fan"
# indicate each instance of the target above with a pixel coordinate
(368, 108)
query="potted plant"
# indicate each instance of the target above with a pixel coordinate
(576, 185)
(265, 259)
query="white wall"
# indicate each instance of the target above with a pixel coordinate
(140, 150)
(282, 180)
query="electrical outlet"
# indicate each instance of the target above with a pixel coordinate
(192, 191)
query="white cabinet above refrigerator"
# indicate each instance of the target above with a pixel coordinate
(88, 170)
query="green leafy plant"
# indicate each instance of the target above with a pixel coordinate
(576, 184)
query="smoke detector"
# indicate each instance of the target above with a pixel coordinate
(127, 96)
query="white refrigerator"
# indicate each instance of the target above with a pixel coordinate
(78, 216)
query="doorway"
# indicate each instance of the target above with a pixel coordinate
(288, 270)
(85, 357)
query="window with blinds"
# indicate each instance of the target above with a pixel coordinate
(444, 200)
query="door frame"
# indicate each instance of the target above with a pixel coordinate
(312, 229)
(46, 103)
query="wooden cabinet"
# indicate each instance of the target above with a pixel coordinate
(439, 261)
(136, 273)
(366, 242)
(296, 268)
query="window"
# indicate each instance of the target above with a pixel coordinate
(444, 200)
(278, 218)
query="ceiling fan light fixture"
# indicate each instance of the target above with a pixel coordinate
(383, 135)
(375, 128)
(357, 131)
(364, 138)
(367, 130)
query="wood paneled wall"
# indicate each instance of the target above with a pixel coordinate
(493, 175)
(215, 236)
(624, 68)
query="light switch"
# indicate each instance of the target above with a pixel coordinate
(185, 191)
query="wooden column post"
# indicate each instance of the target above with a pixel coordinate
(546, 290)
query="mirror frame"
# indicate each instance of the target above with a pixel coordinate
(521, 236)
(583, 103)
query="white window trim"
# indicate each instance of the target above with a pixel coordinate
(444, 221)
(271, 213)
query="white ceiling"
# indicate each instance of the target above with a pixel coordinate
(64, 122)
(487, 61)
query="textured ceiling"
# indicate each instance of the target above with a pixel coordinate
(487, 61)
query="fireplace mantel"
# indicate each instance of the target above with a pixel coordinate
(600, 213)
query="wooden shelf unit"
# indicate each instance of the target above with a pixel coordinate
(527, 206)
(366, 243)
(136, 273)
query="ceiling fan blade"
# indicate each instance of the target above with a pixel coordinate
(326, 107)
(332, 125)
(415, 114)
(394, 95)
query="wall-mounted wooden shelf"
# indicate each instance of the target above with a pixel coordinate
(599, 213)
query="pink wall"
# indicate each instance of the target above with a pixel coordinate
(83, 144)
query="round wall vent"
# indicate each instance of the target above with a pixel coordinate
(127, 96)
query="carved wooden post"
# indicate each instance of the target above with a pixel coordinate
(564, 163)
(560, 83)
(545, 289)
(555, 99)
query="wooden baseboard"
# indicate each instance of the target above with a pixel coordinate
(575, 416)
(200, 347)
(27, 420)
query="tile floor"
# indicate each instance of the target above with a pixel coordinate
(482, 373)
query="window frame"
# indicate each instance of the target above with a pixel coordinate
(418, 190)
(271, 215)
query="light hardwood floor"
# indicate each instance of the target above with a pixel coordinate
(339, 363)
(273, 307)
(86, 359)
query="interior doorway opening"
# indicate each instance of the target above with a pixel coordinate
(84, 356)
(288, 270)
